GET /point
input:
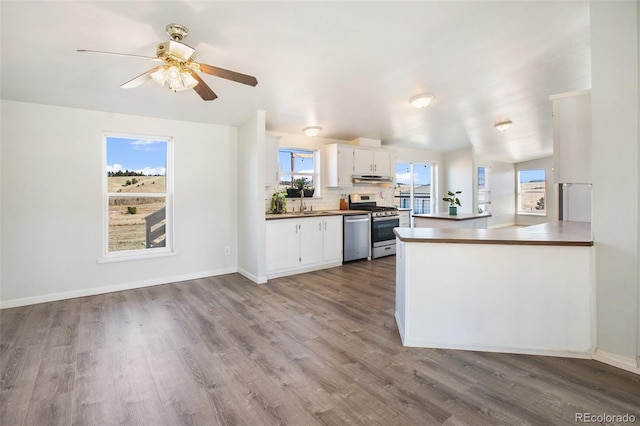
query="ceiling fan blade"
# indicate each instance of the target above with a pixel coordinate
(151, 58)
(142, 78)
(202, 89)
(229, 75)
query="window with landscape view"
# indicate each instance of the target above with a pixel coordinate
(297, 169)
(413, 187)
(137, 190)
(532, 192)
(484, 190)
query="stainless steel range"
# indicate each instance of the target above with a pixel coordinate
(383, 220)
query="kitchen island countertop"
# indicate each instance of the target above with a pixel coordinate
(447, 216)
(552, 234)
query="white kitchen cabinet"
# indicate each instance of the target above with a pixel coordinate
(303, 244)
(405, 218)
(272, 166)
(283, 244)
(572, 137)
(371, 162)
(338, 165)
(332, 239)
(310, 241)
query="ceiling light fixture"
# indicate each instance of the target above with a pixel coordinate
(312, 131)
(421, 101)
(176, 77)
(503, 123)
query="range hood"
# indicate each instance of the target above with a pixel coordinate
(371, 179)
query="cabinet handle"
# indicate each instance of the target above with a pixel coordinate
(325, 226)
(320, 226)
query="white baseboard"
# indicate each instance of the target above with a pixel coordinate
(52, 297)
(619, 361)
(564, 353)
(256, 279)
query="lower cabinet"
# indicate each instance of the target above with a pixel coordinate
(303, 244)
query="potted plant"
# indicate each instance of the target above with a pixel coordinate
(300, 184)
(453, 201)
(278, 202)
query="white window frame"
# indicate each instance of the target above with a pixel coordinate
(143, 253)
(315, 175)
(486, 192)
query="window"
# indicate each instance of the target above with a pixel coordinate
(532, 192)
(298, 169)
(413, 187)
(484, 191)
(137, 196)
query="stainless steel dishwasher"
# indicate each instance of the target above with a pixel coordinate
(357, 237)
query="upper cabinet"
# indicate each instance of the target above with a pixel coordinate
(272, 166)
(338, 165)
(371, 162)
(572, 137)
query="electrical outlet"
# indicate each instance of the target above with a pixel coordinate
(227, 250)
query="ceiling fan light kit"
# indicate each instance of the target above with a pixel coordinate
(312, 131)
(421, 101)
(503, 123)
(180, 69)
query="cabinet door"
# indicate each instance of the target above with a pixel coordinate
(362, 161)
(405, 217)
(272, 168)
(332, 239)
(310, 241)
(382, 163)
(345, 166)
(572, 139)
(283, 244)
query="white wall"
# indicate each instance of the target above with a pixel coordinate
(250, 176)
(51, 214)
(501, 185)
(551, 199)
(459, 176)
(616, 158)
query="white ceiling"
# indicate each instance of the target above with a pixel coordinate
(349, 67)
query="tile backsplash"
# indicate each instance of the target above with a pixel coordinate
(329, 199)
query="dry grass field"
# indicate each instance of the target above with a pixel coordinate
(127, 231)
(530, 193)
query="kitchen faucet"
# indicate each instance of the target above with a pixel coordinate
(303, 206)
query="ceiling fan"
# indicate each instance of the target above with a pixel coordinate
(179, 69)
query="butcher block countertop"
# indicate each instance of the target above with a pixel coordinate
(548, 234)
(271, 216)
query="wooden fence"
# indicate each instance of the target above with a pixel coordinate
(156, 229)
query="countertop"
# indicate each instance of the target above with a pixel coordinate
(447, 216)
(550, 234)
(271, 216)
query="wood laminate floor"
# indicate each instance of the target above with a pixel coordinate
(317, 348)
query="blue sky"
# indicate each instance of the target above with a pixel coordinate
(301, 164)
(146, 156)
(531, 176)
(421, 173)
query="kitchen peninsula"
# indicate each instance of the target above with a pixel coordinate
(522, 290)
(445, 220)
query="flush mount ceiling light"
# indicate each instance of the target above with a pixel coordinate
(312, 131)
(421, 101)
(503, 123)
